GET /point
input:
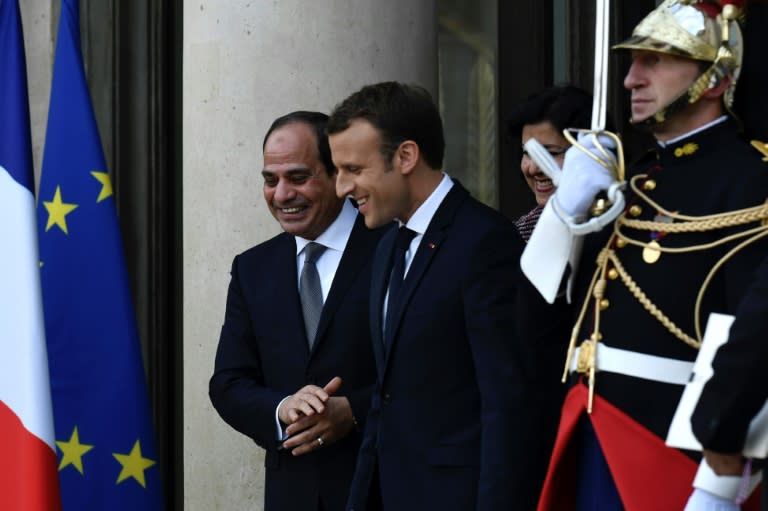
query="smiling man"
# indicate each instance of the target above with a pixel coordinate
(294, 368)
(647, 282)
(447, 423)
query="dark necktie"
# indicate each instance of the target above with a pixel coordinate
(402, 242)
(310, 291)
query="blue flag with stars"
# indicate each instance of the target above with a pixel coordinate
(103, 433)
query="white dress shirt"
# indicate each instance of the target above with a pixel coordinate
(334, 238)
(720, 119)
(418, 223)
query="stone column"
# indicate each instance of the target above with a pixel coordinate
(38, 47)
(247, 62)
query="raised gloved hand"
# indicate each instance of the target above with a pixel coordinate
(583, 177)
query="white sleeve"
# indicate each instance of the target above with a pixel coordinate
(727, 487)
(701, 500)
(551, 247)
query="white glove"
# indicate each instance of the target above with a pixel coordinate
(701, 500)
(582, 177)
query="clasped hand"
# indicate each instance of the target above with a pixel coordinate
(315, 417)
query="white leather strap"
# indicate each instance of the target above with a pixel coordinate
(639, 365)
(723, 486)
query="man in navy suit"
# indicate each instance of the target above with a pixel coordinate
(442, 432)
(297, 377)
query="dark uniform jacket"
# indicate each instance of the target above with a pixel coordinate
(709, 172)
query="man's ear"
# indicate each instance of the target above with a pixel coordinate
(718, 90)
(407, 156)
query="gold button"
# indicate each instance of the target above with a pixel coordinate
(649, 185)
(613, 274)
(604, 304)
(635, 210)
(621, 243)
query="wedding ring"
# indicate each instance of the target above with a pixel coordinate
(320, 441)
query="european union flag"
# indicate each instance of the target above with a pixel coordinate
(102, 424)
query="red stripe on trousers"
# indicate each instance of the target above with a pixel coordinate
(29, 480)
(647, 473)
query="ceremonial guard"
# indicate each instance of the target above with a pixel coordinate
(689, 236)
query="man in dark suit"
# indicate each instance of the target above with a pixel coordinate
(442, 430)
(737, 390)
(294, 368)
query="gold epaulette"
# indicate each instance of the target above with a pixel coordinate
(762, 147)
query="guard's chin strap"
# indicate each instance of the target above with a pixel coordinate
(679, 104)
(705, 81)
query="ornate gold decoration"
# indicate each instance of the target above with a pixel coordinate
(663, 30)
(636, 210)
(609, 258)
(762, 147)
(649, 185)
(652, 252)
(686, 150)
(599, 207)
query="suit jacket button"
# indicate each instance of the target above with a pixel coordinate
(386, 399)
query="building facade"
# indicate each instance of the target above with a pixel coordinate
(183, 93)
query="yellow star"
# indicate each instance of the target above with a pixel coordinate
(58, 211)
(73, 452)
(134, 465)
(106, 185)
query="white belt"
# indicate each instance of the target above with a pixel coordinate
(638, 365)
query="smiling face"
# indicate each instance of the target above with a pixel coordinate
(545, 134)
(378, 187)
(299, 192)
(656, 79)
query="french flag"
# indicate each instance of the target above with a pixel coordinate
(28, 473)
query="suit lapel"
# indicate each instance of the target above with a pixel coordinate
(379, 281)
(429, 246)
(353, 260)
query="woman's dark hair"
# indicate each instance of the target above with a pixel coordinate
(565, 106)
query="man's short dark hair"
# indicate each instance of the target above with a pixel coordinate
(565, 106)
(315, 120)
(399, 112)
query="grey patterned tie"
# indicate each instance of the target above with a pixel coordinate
(310, 291)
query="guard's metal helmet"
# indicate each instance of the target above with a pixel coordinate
(702, 30)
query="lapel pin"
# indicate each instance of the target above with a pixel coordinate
(431, 245)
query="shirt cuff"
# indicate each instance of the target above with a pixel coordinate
(280, 431)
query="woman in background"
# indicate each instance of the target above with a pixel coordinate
(543, 117)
